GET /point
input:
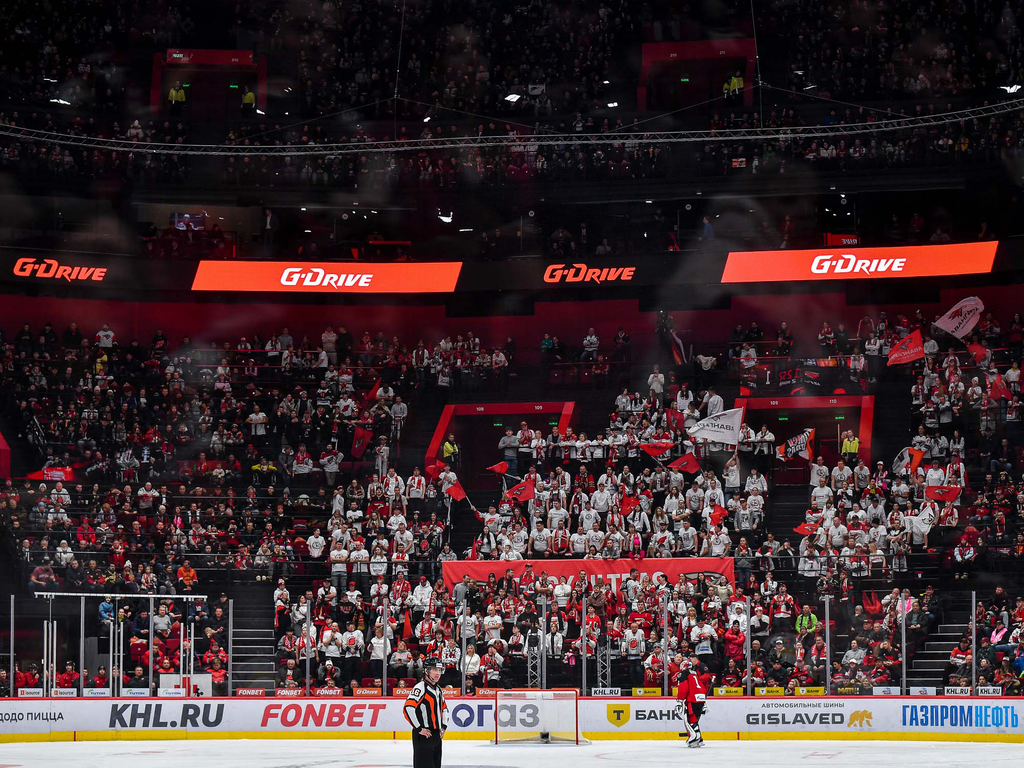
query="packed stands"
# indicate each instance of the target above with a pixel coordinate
(207, 466)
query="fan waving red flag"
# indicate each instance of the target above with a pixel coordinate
(434, 470)
(676, 419)
(999, 389)
(456, 491)
(501, 467)
(943, 493)
(806, 529)
(360, 441)
(977, 351)
(908, 350)
(656, 449)
(522, 492)
(371, 394)
(687, 462)
(719, 514)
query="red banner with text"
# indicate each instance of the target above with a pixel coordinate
(613, 572)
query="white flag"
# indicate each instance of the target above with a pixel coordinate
(723, 427)
(962, 318)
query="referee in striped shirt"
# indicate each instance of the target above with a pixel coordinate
(427, 713)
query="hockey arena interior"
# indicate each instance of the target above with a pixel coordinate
(445, 383)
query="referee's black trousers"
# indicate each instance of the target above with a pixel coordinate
(426, 750)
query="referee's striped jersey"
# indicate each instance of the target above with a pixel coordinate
(426, 707)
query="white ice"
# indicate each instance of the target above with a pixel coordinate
(346, 753)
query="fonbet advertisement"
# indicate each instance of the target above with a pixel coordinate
(921, 718)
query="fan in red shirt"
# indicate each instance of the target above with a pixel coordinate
(215, 652)
(692, 697)
(218, 677)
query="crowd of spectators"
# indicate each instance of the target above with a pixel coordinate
(469, 59)
(973, 142)
(459, 55)
(999, 657)
(562, 78)
(170, 451)
(611, 495)
(227, 462)
(892, 51)
(524, 161)
(70, 55)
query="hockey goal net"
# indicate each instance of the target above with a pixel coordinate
(528, 715)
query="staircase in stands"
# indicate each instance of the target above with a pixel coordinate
(254, 658)
(930, 661)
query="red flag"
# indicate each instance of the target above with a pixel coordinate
(628, 503)
(473, 554)
(909, 460)
(908, 350)
(407, 629)
(676, 419)
(999, 389)
(687, 462)
(456, 491)
(719, 514)
(977, 351)
(806, 529)
(360, 441)
(371, 394)
(522, 492)
(916, 456)
(434, 469)
(501, 467)
(943, 493)
(656, 449)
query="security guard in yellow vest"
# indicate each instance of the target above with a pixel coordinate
(736, 84)
(176, 98)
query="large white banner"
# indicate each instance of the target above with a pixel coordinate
(723, 427)
(961, 319)
(889, 717)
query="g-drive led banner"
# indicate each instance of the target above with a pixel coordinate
(326, 277)
(98, 275)
(532, 275)
(842, 263)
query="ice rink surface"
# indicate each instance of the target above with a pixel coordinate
(321, 753)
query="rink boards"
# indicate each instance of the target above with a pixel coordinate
(883, 718)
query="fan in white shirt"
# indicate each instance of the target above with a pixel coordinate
(713, 402)
(822, 493)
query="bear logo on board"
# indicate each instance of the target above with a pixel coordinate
(860, 718)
